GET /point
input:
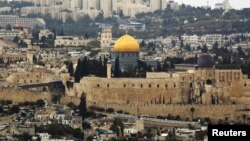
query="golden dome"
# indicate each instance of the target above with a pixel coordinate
(126, 43)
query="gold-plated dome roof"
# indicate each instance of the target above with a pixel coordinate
(126, 43)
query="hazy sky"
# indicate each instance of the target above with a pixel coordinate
(237, 4)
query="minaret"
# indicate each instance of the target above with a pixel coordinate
(109, 67)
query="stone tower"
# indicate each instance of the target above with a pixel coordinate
(106, 37)
(109, 71)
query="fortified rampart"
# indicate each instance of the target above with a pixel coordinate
(131, 91)
(20, 95)
(160, 96)
(214, 112)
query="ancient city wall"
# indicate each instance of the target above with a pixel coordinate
(20, 95)
(147, 96)
(214, 112)
(131, 90)
(68, 99)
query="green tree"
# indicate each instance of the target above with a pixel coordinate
(24, 137)
(117, 72)
(71, 105)
(14, 109)
(8, 27)
(192, 110)
(16, 40)
(171, 137)
(1, 109)
(79, 71)
(117, 126)
(200, 135)
(149, 134)
(40, 103)
(173, 43)
(94, 43)
(70, 68)
(159, 67)
(22, 44)
(110, 110)
(56, 98)
(43, 40)
(244, 116)
(215, 46)
(99, 18)
(83, 106)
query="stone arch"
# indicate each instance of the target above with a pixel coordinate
(209, 82)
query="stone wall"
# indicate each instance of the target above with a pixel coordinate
(162, 93)
(20, 95)
(67, 99)
(214, 112)
(127, 91)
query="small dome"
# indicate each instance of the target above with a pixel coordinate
(126, 43)
(205, 60)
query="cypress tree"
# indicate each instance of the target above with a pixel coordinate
(117, 68)
(70, 68)
(78, 70)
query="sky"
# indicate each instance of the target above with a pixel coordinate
(237, 4)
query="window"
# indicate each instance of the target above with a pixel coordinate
(98, 85)
(158, 85)
(149, 85)
(141, 86)
(124, 85)
(174, 85)
(108, 85)
(166, 86)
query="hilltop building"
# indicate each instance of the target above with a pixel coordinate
(225, 5)
(14, 20)
(126, 50)
(209, 90)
